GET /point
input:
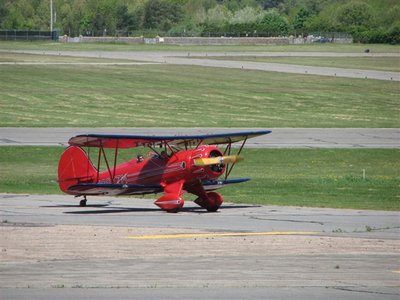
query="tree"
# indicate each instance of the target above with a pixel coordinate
(20, 15)
(160, 14)
(67, 19)
(218, 16)
(42, 16)
(246, 15)
(392, 17)
(325, 21)
(300, 19)
(125, 21)
(354, 13)
(268, 4)
(245, 20)
(273, 24)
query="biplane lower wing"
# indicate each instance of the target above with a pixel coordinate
(114, 189)
(212, 185)
(108, 189)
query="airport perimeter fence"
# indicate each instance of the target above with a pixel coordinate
(329, 37)
(223, 38)
(151, 33)
(28, 35)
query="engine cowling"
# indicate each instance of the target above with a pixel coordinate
(208, 172)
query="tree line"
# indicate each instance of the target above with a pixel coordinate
(376, 21)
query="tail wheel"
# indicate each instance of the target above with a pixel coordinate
(212, 203)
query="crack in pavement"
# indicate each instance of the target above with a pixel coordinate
(285, 220)
(357, 290)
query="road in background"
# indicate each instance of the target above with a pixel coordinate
(279, 138)
(184, 58)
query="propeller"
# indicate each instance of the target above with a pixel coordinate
(217, 160)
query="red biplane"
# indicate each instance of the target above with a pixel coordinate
(190, 163)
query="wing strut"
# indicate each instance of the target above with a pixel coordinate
(108, 166)
(172, 150)
(199, 143)
(228, 148)
(115, 161)
(98, 165)
(103, 153)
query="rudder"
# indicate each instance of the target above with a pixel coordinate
(74, 167)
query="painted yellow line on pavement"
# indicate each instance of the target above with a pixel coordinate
(191, 235)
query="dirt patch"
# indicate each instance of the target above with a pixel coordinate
(104, 256)
(38, 243)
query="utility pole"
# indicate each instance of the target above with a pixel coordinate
(51, 15)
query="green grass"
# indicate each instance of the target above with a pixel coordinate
(188, 96)
(29, 169)
(18, 57)
(374, 48)
(321, 177)
(370, 63)
(300, 177)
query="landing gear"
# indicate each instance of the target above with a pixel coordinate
(82, 203)
(171, 203)
(212, 203)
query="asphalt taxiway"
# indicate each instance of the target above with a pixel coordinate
(279, 138)
(125, 247)
(186, 58)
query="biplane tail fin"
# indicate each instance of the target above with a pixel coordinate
(75, 167)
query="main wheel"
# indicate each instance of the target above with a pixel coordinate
(213, 202)
(82, 203)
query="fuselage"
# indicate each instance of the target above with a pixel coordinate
(164, 169)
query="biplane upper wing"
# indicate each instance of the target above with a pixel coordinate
(132, 141)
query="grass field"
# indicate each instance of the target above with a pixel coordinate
(170, 95)
(305, 177)
(369, 63)
(14, 57)
(374, 48)
(321, 177)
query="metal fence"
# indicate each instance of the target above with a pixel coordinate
(329, 37)
(28, 35)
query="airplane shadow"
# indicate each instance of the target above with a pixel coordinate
(107, 209)
(111, 210)
(74, 205)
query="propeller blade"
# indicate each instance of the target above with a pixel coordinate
(217, 160)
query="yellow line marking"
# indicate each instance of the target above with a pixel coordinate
(191, 235)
